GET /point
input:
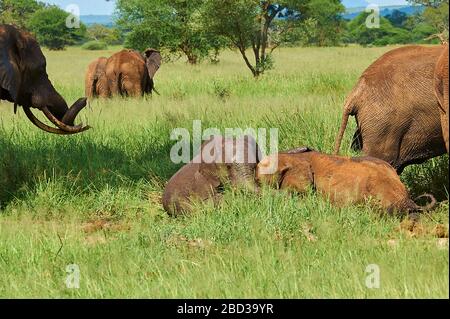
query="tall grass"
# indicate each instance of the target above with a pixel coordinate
(94, 199)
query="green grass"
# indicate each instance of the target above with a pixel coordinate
(94, 199)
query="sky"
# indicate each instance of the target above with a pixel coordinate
(97, 7)
(363, 3)
(100, 7)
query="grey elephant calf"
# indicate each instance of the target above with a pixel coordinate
(221, 161)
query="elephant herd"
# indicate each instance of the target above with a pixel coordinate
(237, 162)
(400, 103)
(401, 107)
(125, 73)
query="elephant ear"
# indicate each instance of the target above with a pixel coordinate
(153, 61)
(10, 78)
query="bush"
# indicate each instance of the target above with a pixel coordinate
(49, 26)
(358, 32)
(110, 36)
(95, 45)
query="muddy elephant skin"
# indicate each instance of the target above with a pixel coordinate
(130, 73)
(441, 90)
(221, 161)
(95, 80)
(396, 109)
(343, 180)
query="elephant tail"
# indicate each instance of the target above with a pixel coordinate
(348, 110)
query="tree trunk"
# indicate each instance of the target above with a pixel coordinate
(191, 56)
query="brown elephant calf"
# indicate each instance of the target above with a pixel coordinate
(221, 161)
(344, 180)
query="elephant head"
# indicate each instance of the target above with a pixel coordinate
(152, 61)
(221, 161)
(232, 160)
(24, 81)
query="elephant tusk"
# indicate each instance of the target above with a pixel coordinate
(72, 113)
(47, 128)
(64, 127)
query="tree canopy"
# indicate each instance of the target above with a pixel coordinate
(172, 25)
(49, 26)
(436, 15)
(262, 26)
(18, 12)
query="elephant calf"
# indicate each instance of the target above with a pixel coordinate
(344, 180)
(221, 161)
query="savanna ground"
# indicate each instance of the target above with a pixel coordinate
(94, 199)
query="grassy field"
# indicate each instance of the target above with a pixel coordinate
(94, 199)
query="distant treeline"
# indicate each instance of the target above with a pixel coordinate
(200, 29)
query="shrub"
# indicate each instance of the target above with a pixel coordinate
(49, 26)
(95, 45)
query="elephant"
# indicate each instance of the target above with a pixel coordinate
(344, 180)
(221, 161)
(441, 91)
(396, 109)
(128, 73)
(95, 80)
(24, 81)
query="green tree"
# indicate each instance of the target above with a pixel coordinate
(98, 32)
(419, 30)
(436, 15)
(260, 25)
(386, 33)
(18, 12)
(49, 26)
(329, 22)
(172, 25)
(397, 18)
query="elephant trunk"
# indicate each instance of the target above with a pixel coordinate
(245, 174)
(56, 111)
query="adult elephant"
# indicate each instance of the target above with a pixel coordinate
(396, 108)
(24, 81)
(441, 90)
(95, 80)
(130, 73)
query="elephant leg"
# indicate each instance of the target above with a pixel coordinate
(357, 141)
(132, 88)
(113, 85)
(102, 88)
